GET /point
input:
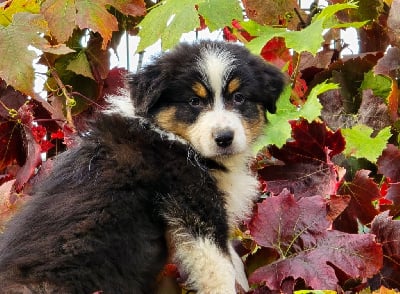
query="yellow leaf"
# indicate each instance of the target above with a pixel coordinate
(11, 7)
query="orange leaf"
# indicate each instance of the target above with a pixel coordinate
(393, 101)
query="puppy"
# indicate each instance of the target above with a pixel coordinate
(168, 179)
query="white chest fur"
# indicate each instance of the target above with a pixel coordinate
(240, 188)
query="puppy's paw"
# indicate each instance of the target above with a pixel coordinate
(240, 275)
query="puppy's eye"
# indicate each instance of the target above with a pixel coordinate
(194, 101)
(238, 98)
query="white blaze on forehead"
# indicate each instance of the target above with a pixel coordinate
(215, 65)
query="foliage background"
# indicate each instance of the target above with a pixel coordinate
(329, 166)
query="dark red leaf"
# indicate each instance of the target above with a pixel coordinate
(288, 232)
(312, 142)
(33, 160)
(393, 194)
(349, 75)
(302, 179)
(387, 232)
(10, 99)
(11, 136)
(373, 111)
(363, 190)
(25, 114)
(307, 169)
(114, 82)
(98, 58)
(336, 205)
(389, 163)
(11, 143)
(299, 232)
(389, 64)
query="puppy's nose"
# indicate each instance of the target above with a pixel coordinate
(224, 138)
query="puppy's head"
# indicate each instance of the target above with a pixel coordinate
(213, 94)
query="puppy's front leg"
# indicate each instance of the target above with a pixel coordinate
(209, 269)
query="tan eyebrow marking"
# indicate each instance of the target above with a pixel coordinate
(233, 85)
(200, 90)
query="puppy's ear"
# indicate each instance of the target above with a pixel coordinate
(274, 82)
(271, 82)
(146, 88)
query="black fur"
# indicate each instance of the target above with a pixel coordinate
(95, 223)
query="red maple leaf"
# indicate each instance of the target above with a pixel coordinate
(202, 21)
(18, 136)
(388, 163)
(11, 133)
(387, 232)
(38, 132)
(312, 142)
(276, 52)
(236, 32)
(363, 191)
(57, 135)
(298, 232)
(305, 167)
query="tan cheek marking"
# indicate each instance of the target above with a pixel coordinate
(199, 90)
(233, 85)
(166, 120)
(255, 127)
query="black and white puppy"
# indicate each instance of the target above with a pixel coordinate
(168, 180)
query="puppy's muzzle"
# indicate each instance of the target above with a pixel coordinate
(224, 138)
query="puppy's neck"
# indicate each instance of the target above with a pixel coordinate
(235, 162)
(240, 186)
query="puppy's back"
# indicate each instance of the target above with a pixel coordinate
(95, 222)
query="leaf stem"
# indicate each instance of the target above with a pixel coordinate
(69, 100)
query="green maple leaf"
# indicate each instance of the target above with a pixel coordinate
(80, 65)
(311, 110)
(220, 13)
(63, 16)
(278, 129)
(170, 19)
(379, 84)
(300, 41)
(360, 144)
(16, 62)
